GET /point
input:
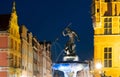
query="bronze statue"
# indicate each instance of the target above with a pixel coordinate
(70, 45)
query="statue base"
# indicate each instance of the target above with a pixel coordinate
(70, 58)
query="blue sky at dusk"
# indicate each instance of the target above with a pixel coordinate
(46, 19)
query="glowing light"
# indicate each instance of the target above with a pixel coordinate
(98, 66)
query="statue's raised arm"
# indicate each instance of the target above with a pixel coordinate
(70, 45)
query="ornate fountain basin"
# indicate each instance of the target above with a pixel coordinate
(71, 69)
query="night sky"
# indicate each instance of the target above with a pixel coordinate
(46, 19)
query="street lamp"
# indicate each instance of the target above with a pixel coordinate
(98, 66)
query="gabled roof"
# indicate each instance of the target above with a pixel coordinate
(4, 21)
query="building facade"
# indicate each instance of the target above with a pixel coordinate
(10, 45)
(36, 63)
(21, 54)
(106, 23)
(45, 59)
(26, 52)
(36, 56)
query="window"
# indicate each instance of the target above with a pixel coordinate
(11, 43)
(107, 0)
(15, 45)
(11, 30)
(19, 65)
(15, 61)
(108, 26)
(98, 10)
(115, 9)
(19, 47)
(11, 59)
(108, 57)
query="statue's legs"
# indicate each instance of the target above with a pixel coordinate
(70, 48)
(73, 48)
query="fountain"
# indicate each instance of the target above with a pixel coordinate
(72, 69)
(71, 66)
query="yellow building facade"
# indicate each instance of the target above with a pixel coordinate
(106, 24)
(10, 47)
(15, 45)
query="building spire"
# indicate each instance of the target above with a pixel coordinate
(14, 7)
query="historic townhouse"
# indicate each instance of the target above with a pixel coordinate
(10, 45)
(45, 59)
(36, 63)
(26, 52)
(106, 23)
(21, 54)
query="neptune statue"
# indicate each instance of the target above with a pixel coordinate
(70, 45)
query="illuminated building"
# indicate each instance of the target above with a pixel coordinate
(10, 43)
(45, 59)
(106, 23)
(26, 52)
(36, 56)
(21, 54)
(36, 63)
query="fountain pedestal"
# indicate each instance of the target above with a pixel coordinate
(70, 58)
